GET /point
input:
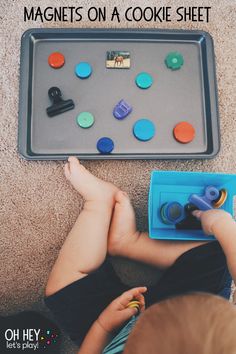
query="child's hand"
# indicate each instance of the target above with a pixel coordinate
(210, 219)
(117, 312)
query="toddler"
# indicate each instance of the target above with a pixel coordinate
(83, 290)
(197, 323)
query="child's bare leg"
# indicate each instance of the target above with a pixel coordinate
(86, 245)
(124, 239)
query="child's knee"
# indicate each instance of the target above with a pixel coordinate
(50, 288)
(58, 281)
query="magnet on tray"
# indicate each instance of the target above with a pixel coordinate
(122, 109)
(58, 104)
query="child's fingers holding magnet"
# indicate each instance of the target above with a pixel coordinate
(134, 305)
(139, 301)
(130, 310)
(131, 294)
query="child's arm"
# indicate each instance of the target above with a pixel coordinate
(158, 253)
(223, 227)
(95, 340)
(116, 314)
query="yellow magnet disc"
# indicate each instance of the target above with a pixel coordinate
(134, 304)
(221, 200)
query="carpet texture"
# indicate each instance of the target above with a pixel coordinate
(37, 206)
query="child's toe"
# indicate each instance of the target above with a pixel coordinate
(122, 197)
(67, 170)
(73, 160)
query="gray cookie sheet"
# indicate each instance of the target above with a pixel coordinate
(188, 94)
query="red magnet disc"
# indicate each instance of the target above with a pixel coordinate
(56, 60)
(184, 132)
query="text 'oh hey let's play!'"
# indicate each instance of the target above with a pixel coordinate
(131, 14)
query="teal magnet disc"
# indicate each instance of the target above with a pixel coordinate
(144, 129)
(143, 80)
(83, 70)
(174, 60)
(85, 120)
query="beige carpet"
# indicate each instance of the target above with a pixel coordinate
(37, 206)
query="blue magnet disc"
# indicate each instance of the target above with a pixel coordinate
(105, 145)
(144, 129)
(143, 80)
(83, 70)
(172, 213)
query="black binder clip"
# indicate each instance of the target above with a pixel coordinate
(190, 222)
(58, 104)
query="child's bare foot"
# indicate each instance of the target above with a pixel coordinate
(123, 226)
(90, 187)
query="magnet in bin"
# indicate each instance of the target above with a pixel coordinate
(213, 197)
(190, 222)
(172, 213)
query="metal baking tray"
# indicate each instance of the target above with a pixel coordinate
(188, 94)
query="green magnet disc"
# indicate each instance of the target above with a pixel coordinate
(174, 60)
(85, 120)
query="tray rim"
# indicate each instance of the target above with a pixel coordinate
(23, 147)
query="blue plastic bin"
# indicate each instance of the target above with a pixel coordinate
(168, 186)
